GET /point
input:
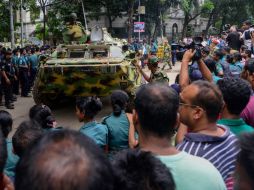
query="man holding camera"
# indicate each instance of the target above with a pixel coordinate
(247, 34)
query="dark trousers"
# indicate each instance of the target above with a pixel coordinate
(24, 81)
(7, 89)
(32, 76)
(16, 86)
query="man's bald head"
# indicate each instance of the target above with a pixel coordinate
(64, 160)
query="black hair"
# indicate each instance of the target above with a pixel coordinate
(136, 169)
(64, 159)
(177, 79)
(26, 134)
(237, 56)
(209, 98)
(219, 53)
(34, 110)
(119, 101)
(39, 113)
(5, 122)
(227, 49)
(249, 66)
(14, 51)
(248, 52)
(3, 153)
(157, 106)
(246, 155)
(244, 47)
(89, 106)
(211, 64)
(247, 22)
(230, 58)
(22, 50)
(236, 94)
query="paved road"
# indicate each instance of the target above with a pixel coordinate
(65, 114)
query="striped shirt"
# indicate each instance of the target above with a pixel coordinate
(220, 151)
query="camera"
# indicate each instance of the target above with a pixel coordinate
(226, 28)
(197, 45)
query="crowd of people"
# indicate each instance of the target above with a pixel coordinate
(195, 134)
(18, 71)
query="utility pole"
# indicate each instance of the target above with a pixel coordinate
(21, 23)
(161, 20)
(11, 24)
(84, 14)
(139, 18)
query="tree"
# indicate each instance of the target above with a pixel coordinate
(193, 9)
(156, 13)
(4, 21)
(229, 12)
(43, 4)
(114, 9)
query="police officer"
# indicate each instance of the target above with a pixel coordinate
(157, 75)
(8, 77)
(15, 61)
(34, 62)
(24, 73)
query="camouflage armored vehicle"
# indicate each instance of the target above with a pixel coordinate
(88, 69)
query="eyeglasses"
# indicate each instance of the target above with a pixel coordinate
(188, 105)
(191, 106)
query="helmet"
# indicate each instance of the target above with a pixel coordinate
(73, 15)
(153, 61)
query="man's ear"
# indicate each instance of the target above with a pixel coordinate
(198, 113)
(177, 121)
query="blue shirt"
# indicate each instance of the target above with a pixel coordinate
(11, 161)
(96, 131)
(15, 60)
(33, 59)
(23, 61)
(215, 78)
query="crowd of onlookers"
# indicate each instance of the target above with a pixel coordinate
(197, 134)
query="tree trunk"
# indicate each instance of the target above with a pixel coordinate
(130, 19)
(44, 24)
(222, 23)
(155, 30)
(185, 24)
(110, 21)
(209, 23)
(12, 25)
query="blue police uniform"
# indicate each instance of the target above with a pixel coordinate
(23, 71)
(7, 67)
(34, 61)
(15, 61)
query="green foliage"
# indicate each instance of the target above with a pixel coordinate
(4, 20)
(39, 31)
(207, 6)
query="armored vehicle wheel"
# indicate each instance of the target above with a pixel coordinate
(47, 99)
